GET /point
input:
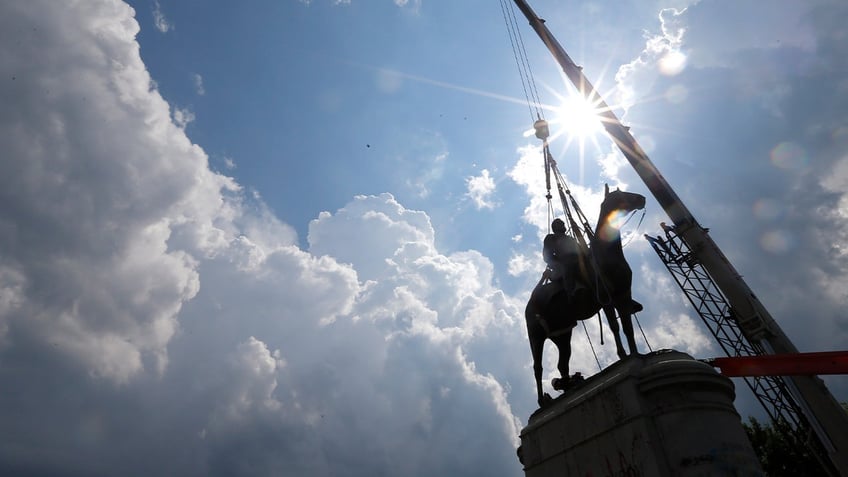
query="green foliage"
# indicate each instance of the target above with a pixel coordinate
(779, 453)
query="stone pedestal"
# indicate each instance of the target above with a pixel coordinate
(662, 414)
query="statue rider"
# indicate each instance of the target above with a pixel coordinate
(562, 254)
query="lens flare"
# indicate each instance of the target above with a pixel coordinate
(789, 156)
(615, 220)
(776, 241)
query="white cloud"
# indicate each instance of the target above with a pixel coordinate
(364, 368)
(389, 227)
(198, 84)
(412, 5)
(662, 54)
(526, 173)
(520, 264)
(162, 24)
(171, 302)
(182, 117)
(680, 332)
(612, 164)
(254, 371)
(480, 190)
(114, 197)
(432, 172)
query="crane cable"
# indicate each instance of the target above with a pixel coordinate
(534, 104)
(581, 228)
(528, 83)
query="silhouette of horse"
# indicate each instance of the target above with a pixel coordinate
(552, 314)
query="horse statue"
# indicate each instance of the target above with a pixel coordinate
(552, 314)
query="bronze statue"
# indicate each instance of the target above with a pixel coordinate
(601, 280)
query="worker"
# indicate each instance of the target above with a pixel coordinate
(562, 254)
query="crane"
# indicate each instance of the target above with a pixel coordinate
(747, 315)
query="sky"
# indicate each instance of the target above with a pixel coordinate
(291, 237)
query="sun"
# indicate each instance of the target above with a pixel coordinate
(576, 118)
(573, 119)
(574, 122)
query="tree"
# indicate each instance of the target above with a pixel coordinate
(779, 452)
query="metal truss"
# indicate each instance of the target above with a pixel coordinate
(772, 392)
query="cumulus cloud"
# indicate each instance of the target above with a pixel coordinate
(480, 190)
(186, 329)
(88, 214)
(520, 264)
(356, 341)
(254, 370)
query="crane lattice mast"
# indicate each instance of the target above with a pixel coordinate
(757, 326)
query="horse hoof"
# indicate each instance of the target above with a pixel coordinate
(563, 384)
(545, 400)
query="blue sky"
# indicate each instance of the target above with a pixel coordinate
(296, 238)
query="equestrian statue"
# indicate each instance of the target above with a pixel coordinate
(578, 283)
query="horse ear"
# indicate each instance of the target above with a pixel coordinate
(606, 189)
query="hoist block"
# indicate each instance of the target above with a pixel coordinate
(541, 127)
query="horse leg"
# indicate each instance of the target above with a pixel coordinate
(609, 311)
(626, 313)
(537, 336)
(563, 344)
(536, 348)
(627, 324)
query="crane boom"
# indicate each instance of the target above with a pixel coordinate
(827, 362)
(827, 416)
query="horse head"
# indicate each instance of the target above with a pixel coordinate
(620, 200)
(615, 207)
